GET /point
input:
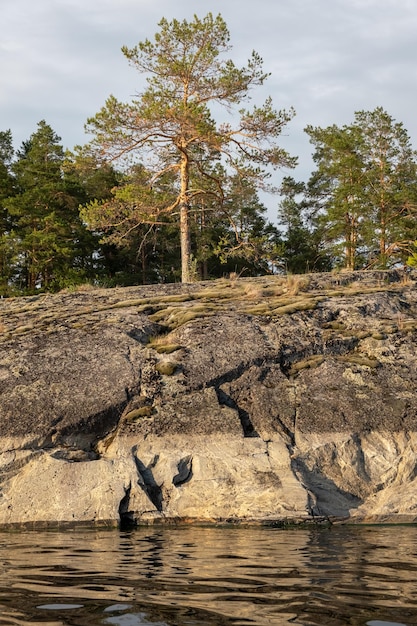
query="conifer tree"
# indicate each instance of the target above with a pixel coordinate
(7, 252)
(337, 185)
(170, 129)
(47, 224)
(365, 189)
(390, 187)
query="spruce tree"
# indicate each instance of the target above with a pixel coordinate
(47, 225)
(7, 189)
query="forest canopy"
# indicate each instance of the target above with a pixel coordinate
(167, 189)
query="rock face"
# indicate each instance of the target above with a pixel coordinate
(267, 400)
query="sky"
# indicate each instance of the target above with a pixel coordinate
(61, 59)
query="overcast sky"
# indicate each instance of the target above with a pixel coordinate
(61, 59)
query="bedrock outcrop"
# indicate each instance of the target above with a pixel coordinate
(272, 400)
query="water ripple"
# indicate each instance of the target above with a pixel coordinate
(200, 576)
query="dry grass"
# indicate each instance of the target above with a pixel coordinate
(84, 287)
(122, 304)
(23, 329)
(283, 306)
(162, 345)
(221, 293)
(259, 309)
(297, 283)
(175, 298)
(252, 291)
(162, 314)
(183, 317)
(174, 316)
(167, 348)
(334, 325)
(272, 296)
(409, 325)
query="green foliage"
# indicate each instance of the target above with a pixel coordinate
(45, 216)
(363, 192)
(7, 189)
(412, 259)
(301, 248)
(391, 186)
(43, 244)
(169, 194)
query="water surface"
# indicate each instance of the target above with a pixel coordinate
(210, 576)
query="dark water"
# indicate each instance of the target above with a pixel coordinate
(213, 576)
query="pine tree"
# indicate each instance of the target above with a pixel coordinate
(336, 189)
(390, 187)
(365, 189)
(170, 126)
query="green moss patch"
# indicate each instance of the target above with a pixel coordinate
(143, 411)
(334, 325)
(166, 368)
(309, 363)
(166, 348)
(300, 305)
(359, 359)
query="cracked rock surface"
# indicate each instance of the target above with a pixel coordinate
(249, 400)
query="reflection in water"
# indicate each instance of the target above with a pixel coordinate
(218, 576)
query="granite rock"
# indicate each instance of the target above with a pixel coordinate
(249, 401)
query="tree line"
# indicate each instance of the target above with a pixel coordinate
(166, 190)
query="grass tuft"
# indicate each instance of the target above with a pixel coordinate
(297, 283)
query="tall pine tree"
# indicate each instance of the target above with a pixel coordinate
(171, 127)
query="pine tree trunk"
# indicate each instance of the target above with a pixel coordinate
(185, 238)
(383, 241)
(185, 244)
(350, 251)
(143, 264)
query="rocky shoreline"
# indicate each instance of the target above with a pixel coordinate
(275, 400)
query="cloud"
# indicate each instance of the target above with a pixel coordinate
(60, 59)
